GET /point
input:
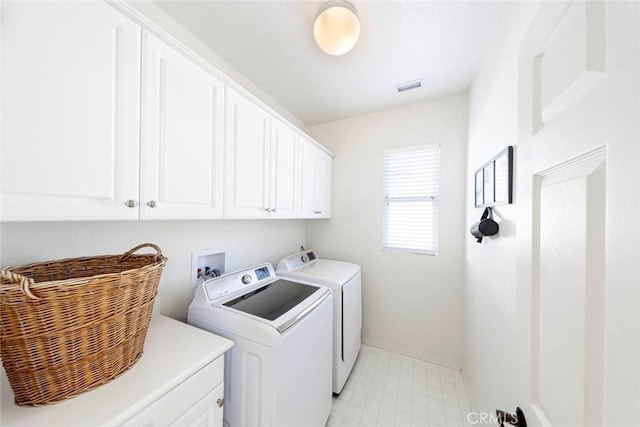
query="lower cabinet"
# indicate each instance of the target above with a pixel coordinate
(178, 381)
(197, 401)
(206, 413)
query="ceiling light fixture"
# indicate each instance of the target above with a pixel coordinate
(337, 28)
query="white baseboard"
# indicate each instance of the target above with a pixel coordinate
(425, 357)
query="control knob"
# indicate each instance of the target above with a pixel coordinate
(246, 279)
(304, 258)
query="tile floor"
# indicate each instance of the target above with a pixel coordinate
(391, 390)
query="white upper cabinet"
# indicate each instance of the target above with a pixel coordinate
(315, 181)
(323, 184)
(262, 162)
(247, 158)
(70, 111)
(308, 154)
(283, 171)
(102, 120)
(182, 136)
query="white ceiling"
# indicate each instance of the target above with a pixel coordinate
(271, 43)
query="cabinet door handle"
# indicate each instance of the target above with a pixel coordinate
(220, 402)
(152, 203)
(273, 209)
(317, 212)
(130, 203)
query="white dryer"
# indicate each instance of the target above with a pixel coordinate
(278, 373)
(344, 279)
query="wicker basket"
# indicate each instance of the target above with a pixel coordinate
(71, 325)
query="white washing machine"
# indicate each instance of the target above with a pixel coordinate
(344, 279)
(278, 373)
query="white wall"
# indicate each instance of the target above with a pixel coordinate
(490, 295)
(411, 303)
(247, 243)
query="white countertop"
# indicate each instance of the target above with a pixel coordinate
(173, 351)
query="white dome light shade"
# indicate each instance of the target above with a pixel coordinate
(337, 28)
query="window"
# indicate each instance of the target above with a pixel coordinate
(411, 190)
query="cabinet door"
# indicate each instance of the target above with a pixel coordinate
(323, 184)
(247, 158)
(307, 178)
(315, 181)
(206, 413)
(189, 403)
(283, 189)
(70, 111)
(182, 136)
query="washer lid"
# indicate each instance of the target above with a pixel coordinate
(273, 300)
(324, 272)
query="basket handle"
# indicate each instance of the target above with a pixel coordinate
(23, 281)
(130, 252)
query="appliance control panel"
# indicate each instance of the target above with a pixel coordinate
(296, 261)
(233, 282)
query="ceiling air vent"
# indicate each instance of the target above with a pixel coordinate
(403, 87)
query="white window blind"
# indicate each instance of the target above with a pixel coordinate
(411, 196)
